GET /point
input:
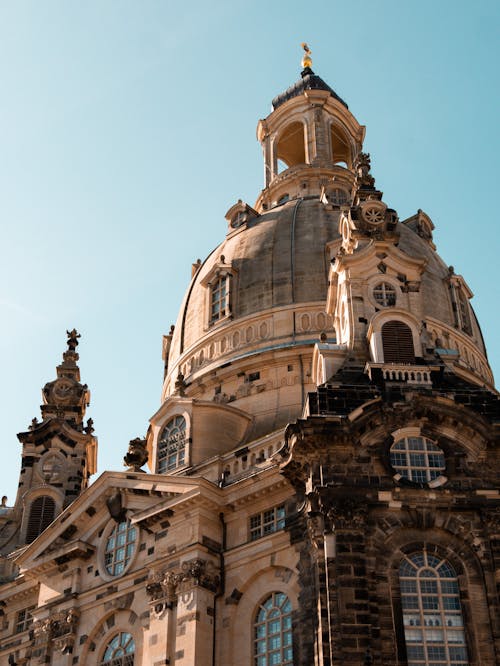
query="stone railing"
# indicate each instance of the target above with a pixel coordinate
(419, 375)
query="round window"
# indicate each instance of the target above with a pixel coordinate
(120, 547)
(417, 459)
(384, 294)
(51, 467)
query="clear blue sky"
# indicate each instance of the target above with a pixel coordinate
(127, 129)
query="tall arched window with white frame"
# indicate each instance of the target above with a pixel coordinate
(273, 632)
(432, 615)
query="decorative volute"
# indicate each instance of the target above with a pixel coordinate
(310, 143)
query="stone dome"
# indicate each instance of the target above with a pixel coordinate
(320, 278)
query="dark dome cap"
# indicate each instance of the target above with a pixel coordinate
(309, 81)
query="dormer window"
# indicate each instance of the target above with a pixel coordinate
(463, 306)
(219, 299)
(172, 445)
(460, 295)
(219, 284)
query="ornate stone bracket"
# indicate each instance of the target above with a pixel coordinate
(59, 630)
(163, 587)
(162, 591)
(200, 572)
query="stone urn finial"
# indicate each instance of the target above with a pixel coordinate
(137, 455)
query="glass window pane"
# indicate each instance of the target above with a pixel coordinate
(417, 459)
(272, 631)
(120, 547)
(119, 651)
(432, 616)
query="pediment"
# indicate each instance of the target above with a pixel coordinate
(366, 261)
(75, 534)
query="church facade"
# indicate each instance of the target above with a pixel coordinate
(323, 483)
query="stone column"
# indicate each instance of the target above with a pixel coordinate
(162, 592)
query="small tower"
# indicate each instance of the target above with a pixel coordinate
(58, 455)
(310, 143)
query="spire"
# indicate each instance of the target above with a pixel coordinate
(65, 397)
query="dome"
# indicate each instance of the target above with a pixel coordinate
(319, 280)
(308, 81)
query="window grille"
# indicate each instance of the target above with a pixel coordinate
(273, 632)
(172, 445)
(397, 343)
(120, 546)
(267, 522)
(384, 294)
(432, 616)
(219, 298)
(42, 513)
(417, 459)
(24, 619)
(119, 651)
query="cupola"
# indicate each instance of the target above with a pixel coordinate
(310, 143)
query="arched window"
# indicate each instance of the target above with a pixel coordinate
(291, 146)
(417, 459)
(432, 617)
(397, 343)
(119, 651)
(42, 513)
(273, 632)
(172, 445)
(120, 546)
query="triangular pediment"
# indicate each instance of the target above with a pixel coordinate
(146, 499)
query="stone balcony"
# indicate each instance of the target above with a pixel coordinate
(418, 375)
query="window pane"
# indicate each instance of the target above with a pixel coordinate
(120, 547)
(410, 457)
(432, 617)
(272, 631)
(171, 445)
(119, 651)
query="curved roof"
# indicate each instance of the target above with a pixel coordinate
(309, 81)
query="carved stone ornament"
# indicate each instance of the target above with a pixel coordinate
(348, 514)
(137, 454)
(180, 385)
(491, 518)
(42, 631)
(60, 628)
(363, 165)
(163, 586)
(73, 337)
(373, 212)
(200, 572)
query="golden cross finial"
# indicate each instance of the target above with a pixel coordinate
(306, 58)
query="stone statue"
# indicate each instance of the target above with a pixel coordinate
(73, 339)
